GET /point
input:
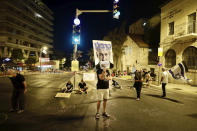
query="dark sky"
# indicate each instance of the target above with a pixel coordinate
(94, 25)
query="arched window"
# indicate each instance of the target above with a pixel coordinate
(190, 57)
(170, 58)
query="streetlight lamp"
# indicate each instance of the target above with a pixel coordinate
(42, 50)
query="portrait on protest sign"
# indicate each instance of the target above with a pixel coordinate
(103, 53)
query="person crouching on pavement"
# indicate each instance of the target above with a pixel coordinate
(103, 76)
(148, 79)
(18, 94)
(138, 83)
(69, 87)
(82, 86)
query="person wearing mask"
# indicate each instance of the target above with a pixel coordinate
(103, 76)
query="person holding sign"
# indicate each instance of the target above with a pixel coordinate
(103, 76)
(103, 61)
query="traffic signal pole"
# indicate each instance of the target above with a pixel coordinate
(79, 12)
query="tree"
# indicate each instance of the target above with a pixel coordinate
(152, 36)
(91, 56)
(117, 37)
(30, 61)
(17, 55)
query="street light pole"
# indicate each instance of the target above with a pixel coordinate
(43, 49)
(79, 12)
(40, 60)
(75, 52)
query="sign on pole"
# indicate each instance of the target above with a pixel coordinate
(160, 51)
(75, 65)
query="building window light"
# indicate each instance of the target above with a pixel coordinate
(38, 15)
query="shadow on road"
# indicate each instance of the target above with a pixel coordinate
(172, 100)
(112, 98)
(122, 97)
(193, 115)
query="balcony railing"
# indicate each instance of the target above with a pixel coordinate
(185, 31)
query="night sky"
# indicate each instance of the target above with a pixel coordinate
(94, 26)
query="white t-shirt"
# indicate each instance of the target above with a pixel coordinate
(165, 77)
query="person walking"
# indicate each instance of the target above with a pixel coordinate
(18, 94)
(103, 76)
(164, 81)
(138, 83)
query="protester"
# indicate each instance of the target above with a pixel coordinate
(69, 87)
(164, 81)
(103, 76)
(19, 90)
(148, 79)
(116, 84)
(138, 83)
(83, 87)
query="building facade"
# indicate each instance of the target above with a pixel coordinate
(179, 35)
(134, 53)
(25, 25)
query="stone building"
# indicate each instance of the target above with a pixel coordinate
(135, 51)
(178, 35)
(25, 25)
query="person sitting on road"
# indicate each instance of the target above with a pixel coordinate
(148, 79)
(82, 86)
(69, 87)
(116, 84)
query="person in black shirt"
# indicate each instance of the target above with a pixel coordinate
(82, 86)
(103, 76)
(19, 90)
(69, 87)
(138, 83)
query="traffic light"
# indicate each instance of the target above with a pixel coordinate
(76, 34)
(116, 12)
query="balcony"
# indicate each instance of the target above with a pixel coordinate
(185, 32)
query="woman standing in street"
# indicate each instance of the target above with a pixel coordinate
(138, 83)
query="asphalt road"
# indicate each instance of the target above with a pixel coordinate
(177, 112)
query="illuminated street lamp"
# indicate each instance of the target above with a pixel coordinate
(76, 21)
(42, 50)
(76, 35)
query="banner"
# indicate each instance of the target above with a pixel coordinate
(89, 76)
(103, 53)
